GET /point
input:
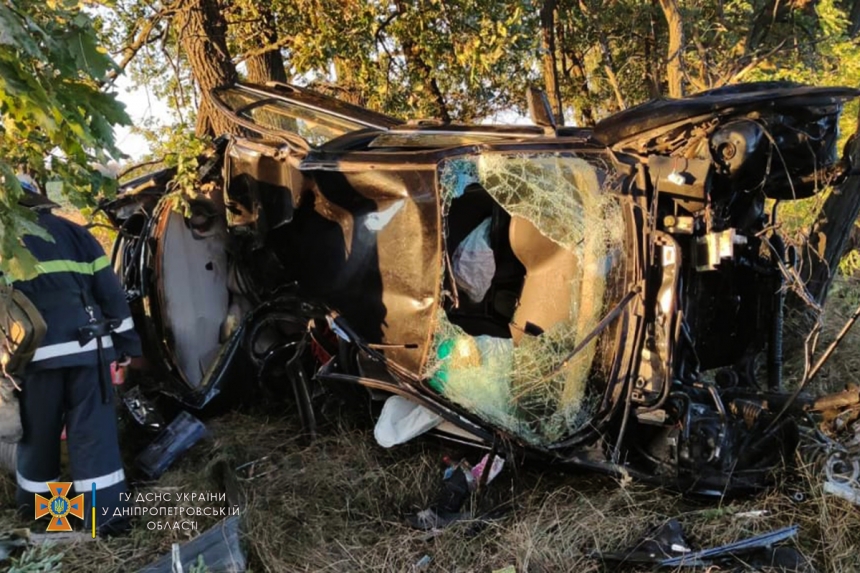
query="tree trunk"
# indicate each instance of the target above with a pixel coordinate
(832, 230)
(268, 66)
(609, 67)
(202, 32)
(573, 71)
(584, 112)
(674, 61)
(606, 55)
(550, 65)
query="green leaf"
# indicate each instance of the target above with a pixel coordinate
(83, 47)
(51, 67)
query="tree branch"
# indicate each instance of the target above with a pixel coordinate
(280, 43)
(550, 63)
(423, 71)
(142, 39)
(384, 24)
(606, 55)
(754, 61)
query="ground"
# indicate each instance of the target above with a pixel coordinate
(338, 503)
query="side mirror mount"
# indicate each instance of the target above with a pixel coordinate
(540, 110)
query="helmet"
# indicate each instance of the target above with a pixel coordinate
(28, 183)
(33, 197)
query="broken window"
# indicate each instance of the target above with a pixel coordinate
(557, 236)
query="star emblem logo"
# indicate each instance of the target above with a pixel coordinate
(59, 507)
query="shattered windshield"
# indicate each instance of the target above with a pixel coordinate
(567, 231)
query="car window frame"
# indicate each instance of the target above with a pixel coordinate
(300, 98)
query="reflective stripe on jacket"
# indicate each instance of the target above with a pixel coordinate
(74, 281)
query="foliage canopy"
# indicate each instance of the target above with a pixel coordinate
(55, 116)
(457, 60)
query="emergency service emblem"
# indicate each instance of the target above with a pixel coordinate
(59, 507)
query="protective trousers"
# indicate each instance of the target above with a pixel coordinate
(71, 396)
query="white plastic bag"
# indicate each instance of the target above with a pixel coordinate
(473, 264)
(401, 420)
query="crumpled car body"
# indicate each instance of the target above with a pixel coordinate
(595, 297)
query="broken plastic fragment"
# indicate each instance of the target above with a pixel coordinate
(182, 433)
(665, 546)
(843, 490)
(218, 547)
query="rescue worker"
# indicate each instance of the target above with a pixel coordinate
(67, 382)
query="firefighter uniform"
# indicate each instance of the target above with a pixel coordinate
(68, 380)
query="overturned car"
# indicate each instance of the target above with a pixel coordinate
(598, 297)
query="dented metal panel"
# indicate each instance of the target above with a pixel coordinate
(374, 254)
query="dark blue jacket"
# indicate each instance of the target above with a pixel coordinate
(75, 281)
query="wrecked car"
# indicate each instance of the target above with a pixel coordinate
(598, 298)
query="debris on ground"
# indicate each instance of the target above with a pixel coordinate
(459, 481)
(833, 449)
(217, 549)
(182, 433)
(666, 546)
(141, 410)
(225, 476)
(752, 513)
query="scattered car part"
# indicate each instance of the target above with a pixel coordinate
(658, 544)
(11, 542)
(141, 410)
(666, 546)
(459, 481)
(19, 539)
(218, 547)
(734, 550)
(177, 438)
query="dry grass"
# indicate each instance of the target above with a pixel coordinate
(338, 504)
